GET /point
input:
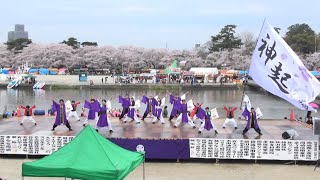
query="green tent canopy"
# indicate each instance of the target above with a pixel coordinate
(173, 65)
(88, 156)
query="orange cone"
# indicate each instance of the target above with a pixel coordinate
(292, 115)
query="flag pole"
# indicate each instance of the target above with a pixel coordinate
(246, 77)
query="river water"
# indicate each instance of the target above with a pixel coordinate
(271, 106)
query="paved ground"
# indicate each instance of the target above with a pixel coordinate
(271, 129)
(10, 169)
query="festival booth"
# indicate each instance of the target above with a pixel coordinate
(230, 76)
(203, 74)
(188, 76)
(173, 72)
(161, 76)
(88, 156)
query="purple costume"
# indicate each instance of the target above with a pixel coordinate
(207, 121)
(251, 121)
(184, 111)
(158, 111)
(60, 118)
(93, 108)
(200, 113)
(131, 110)
(125, 103)
(175, 106)
(151, 103)
(103, 118)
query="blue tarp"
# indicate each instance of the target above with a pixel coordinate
(33, 70)
(53, 72)
(4, 71)
(43, 71)
(315, 73)
(241, 72)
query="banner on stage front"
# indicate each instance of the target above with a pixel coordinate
(277, 69)
(209, 148)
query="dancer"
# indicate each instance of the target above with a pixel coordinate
(83, 112)
(195, 110)
(125, 103)
(151, 103)
(94, 108)
(176, 103)
(207, 124)
(158, 111)
(290, 134)
(103, 120)
(132, 114)
(28, 114)
(252, 121)
(230, 117)
(184, 115)
(73, 112)
(61, 117)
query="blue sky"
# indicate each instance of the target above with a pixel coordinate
(151, 24)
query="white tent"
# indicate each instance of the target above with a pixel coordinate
(204, 71)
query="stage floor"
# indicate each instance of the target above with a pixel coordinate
(271, 129)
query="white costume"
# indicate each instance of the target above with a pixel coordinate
(293, 134)
(28, 118)
(161, 106)
(135, 117)
(230, 120)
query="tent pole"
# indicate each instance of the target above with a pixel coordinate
(144, 175)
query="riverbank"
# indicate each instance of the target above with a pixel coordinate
(72, 82)
(10, 169)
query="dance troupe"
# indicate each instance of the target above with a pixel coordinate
(182, 110)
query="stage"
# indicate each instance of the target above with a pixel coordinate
(163, 141)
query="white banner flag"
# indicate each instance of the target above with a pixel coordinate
(277, 69)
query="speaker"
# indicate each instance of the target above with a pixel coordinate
(316, 126)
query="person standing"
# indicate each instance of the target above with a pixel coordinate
(125, 103)
(73, 112)
(158, 112)
(184, 115)
(197, 112)
(176, 103)
(132, 112)
(252, 121)
(28, 114)
(103, 120)
(230, 117)
(207, 124)
(150, 103)
(61, 117)
(94, 108)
